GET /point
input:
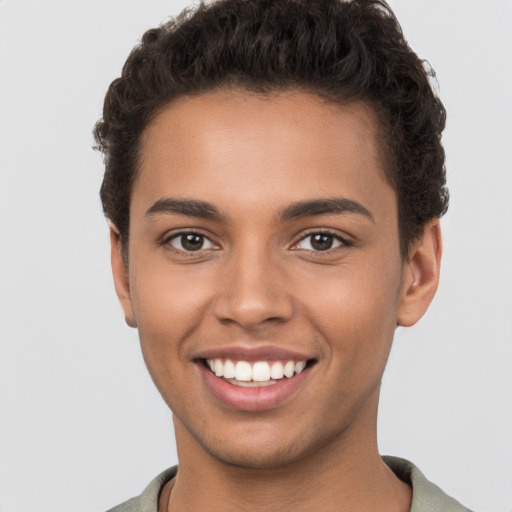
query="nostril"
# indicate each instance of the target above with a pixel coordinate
(252, 303)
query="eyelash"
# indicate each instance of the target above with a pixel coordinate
(177, 236)
(342, 242)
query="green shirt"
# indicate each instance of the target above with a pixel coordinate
(426, 497)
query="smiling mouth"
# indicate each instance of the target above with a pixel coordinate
(255, 373)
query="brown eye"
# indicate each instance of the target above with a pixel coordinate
(320, 242)
(190, 242)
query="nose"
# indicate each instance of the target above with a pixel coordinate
(253, 292)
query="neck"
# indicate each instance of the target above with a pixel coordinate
(345, 474)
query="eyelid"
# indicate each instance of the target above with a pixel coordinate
(175, 234)
(344, 241)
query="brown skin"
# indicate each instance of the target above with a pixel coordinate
(258, 281)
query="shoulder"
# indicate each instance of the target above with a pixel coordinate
(148, 500)
(128, 506)
(426, 496)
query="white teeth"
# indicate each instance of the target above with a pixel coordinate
(289, 369)
(243, 371)
(276, 370)
(299, 366)
(229, 369)
(261, 371)
(258, 372)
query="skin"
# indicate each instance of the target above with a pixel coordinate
(259, 281)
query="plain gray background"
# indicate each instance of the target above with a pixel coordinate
(81, 426)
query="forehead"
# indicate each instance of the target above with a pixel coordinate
(241, 146)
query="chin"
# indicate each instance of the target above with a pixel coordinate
(265, 452)
(255, 458)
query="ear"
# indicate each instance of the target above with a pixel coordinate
(420, 275)
(120, 274)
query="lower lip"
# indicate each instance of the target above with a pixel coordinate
(252, 398)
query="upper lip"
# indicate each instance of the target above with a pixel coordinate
(244, 353)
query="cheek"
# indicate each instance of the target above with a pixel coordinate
(165, 297)
(169, 307)
(355, 311)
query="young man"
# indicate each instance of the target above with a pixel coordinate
(274, 181)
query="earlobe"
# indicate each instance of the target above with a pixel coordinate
(120, 275)
(421, 275)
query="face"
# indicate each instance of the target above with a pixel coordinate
(264, 274)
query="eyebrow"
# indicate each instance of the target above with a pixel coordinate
(300, 209)
(338, 205)
(188, 207)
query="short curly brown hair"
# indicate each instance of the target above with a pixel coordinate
(342, 51)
